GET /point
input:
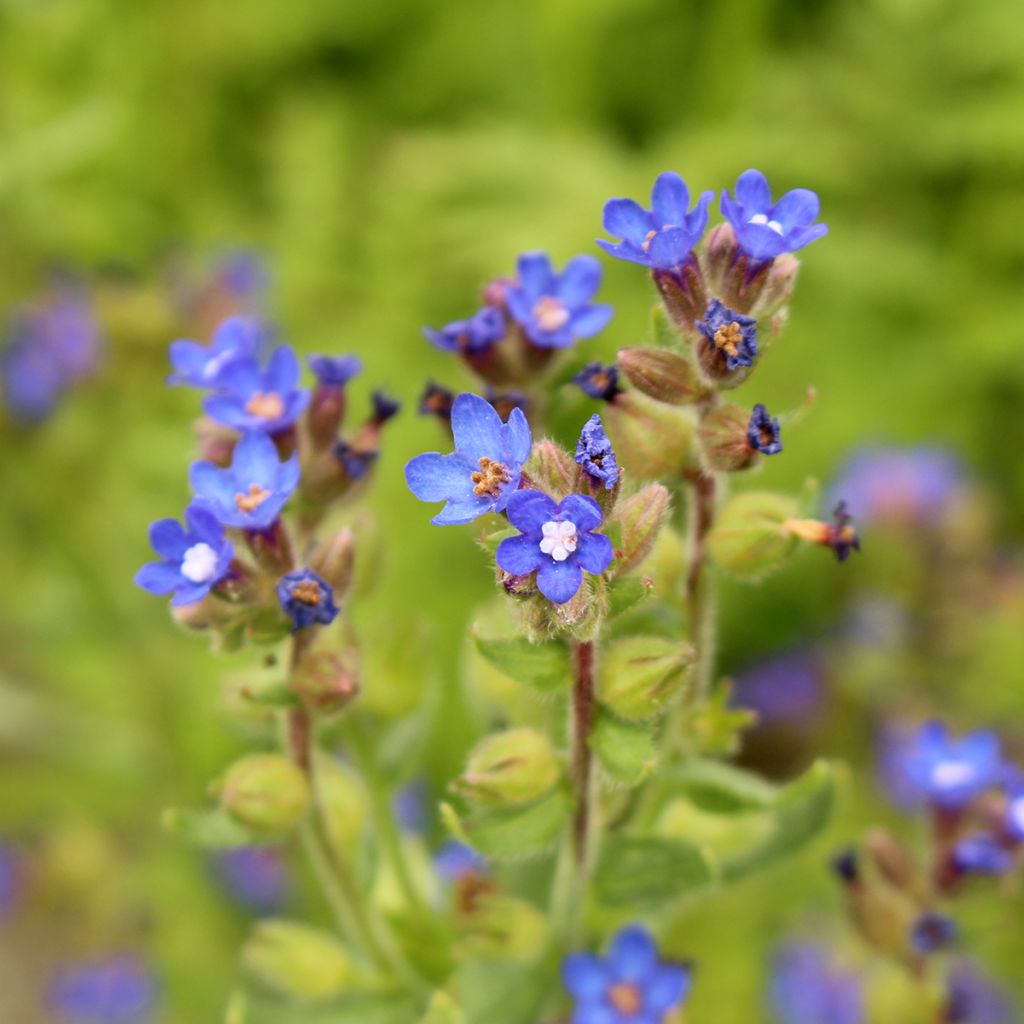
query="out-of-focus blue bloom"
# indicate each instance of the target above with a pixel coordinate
(10, 879)
(243, 274)
(555, 310)
(194, 558)
(456, 860)
(409, 806)
(663, 236)
(595, 454)
(900, 485)
(982, 854)
(354, 461)
(932, 767)
(765, 229)
(477, 334)
(763, 432)
(1015, 805)
(807, 988)
(733, 335)
(307, 599)
(598, 381)
(973, 999)
(843, 537)
(788, 688)
(255, 877)
(932, 933)
(120, 990)
(251, 493)
(437, 400)
(334, 371)
(254, 398)
(505, 401)
(557, 540)
(629, 985)
(483, 471)
(384, 407)
(200, 366)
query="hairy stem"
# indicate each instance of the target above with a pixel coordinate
(582, 759)
(699, 599)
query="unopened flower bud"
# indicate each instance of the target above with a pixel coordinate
(662, 374)
(551, 469)
(325, 681)
(326, 411)
(510, 768)
(266, 793)
(639, 676)
(750, 537)
(651, 439)
(724, 442)
(504, 927)
(640, 518)
(295, 961)
(334, 561)
(216, 442)
(682, 291)
(778, 285)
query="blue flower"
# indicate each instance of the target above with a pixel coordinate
(982, 854)
(409, 807)
(595, 454)
(842, 535)
(252, 398)
(765, 229)
(200, 366)
(436, 400)
(483, 471)
(384, 407)
(945, 772)
(763, 432)
(334, 371)
(120, 990)
(732, 335)
(555, 310)
(251, 493)
(932, 933)
(786, 689)
(973, 999)
(356, 462)
(194, 559)
(1015, 805)
(807, 988)
(629, 985)
(598, 381)
(254, 876)
(556, 540)
(455, 860)
(307, 599)
(483, 329)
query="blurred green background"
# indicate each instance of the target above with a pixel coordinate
(386, 158)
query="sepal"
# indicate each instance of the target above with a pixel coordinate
(639, 676)
(749, 538)
(509, 769)
(663, 374)
(652, 439)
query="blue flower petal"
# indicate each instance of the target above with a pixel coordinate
(462, 510)
(594, 552)
(632, 954)
(191, 593)
(436, 477)
(753, 193)
(596, 1014)
(240, 377)
(666, 987)
(797, 208)
(669, 248)
(799, 237)
(204, 525)
(158, 577)
(519, 555)
(578, 281)
(288, 473)
(529, 510)
(535, 273)
(518, 438)
(559, 581)
(584, 975)
(282, 373)
(213, 484)
(254, 459)
(624, 251)
(670, 199)
(760, 242)
(188, 359)
(168, 538)
(590, 320)
(476, 427)
(627, 219)
(519, 305)
(581, 510)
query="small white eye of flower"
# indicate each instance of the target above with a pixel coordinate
(199, 563)
(762, 218)
(559, 540)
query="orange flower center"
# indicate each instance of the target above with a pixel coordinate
(267, 405)
(551, 313)
(626, 998)
(307, 592)
(728, 338)
(249, 501)
(489, 478)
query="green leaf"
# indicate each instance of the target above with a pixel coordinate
(210, 829)
(626, 593)
(714, 726)
(626, 752)
(501, 991)
(720, 788)
(543, 666)
(651, 871)
(357, 1008)
(443, 1010)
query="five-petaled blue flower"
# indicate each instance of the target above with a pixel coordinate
(483, 471)
(237, 337)
(555, 310)
(732, 335)
(254, 398)
(598, 381)
(765, 229)
(476, 334)
(982, 854)
(334, 371)
(807, 988)
(556, 540)
(252, 492)
(120, 990)
(663, 236)
(763, 432)
(307, 599)
(595, 454)
(194, 558)
(629, 985)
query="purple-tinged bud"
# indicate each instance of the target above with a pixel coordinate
(327, 405)
(652, 439)
(839, 535)
(778, 286)
(550, 470)
(724, 440)
(847, 867)
(265, 793)
(325, 681)
(334, 561)
(296, 962)
(764, 432)
(495, 291)
(663, 375)
(640, 518)
(932, 933)
(272, 547)
(731, 274)
(437, 401)
(750, 537)
(683, 292)
(598, 474)
(598, 381)
(509, 769)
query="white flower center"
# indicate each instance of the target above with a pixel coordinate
(199, 563)
(952, 773)
(551, 313)
(762, 218)
(559, 540)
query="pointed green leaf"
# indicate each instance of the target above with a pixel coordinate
(650, 871)
(722, 789)
(544, 666)
(626, 752)
(627, 592)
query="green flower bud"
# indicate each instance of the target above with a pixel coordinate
(295, 961)
(552, 469)
(266, 793)
(651, 439)
(722, 436)
(662, 374)
(640, 518)
(749, 538)
(510, 768)
(325, 681)
(504, 927)
(639, 676)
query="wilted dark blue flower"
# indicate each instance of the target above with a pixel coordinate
(256, 877)
(251, 493)
(194, 559)
(807, 988)
(629, 985)
(663, 236)
(973, 999)
(787, 689)
(598, 381)
(483, 329)
(356, 462)
(307, 599)
(456, 860)
(384, 407)
(253, 398)
(483, 471)
(595, 454)
(982, 854)
(436, 400)
(765, 229)
(846, 864)
(843, 537)
(555, 310)
(763, 432)
(932, 933)
(237, 337)
(334, 371)
(556, 540)
(733, 335)
(120, 990)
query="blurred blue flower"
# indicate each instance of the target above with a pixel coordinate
(354, 461)
(932, 932)
(595, 454)
(1014, 785)
(629, 985)
(558, 540)
(763, 432)
(200, 366)
(252, 398)
(598, 381)
(982, 854)
(120, 990)
(787, 688)
(555, 310)
(474, 335)
(973, 999)
(251, 493)
(194, 559)
(456, 860)
(384, 407)
(843, 537)
(483, 471)
(663, 236)
(807, 988)
(409, 806)
(256, 877)
(732, 335)
(334, 371)
(243, 274)
(765, 229)
(307, 599)
(437, 400)
(10, 878)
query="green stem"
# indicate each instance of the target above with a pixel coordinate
(699, 597)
